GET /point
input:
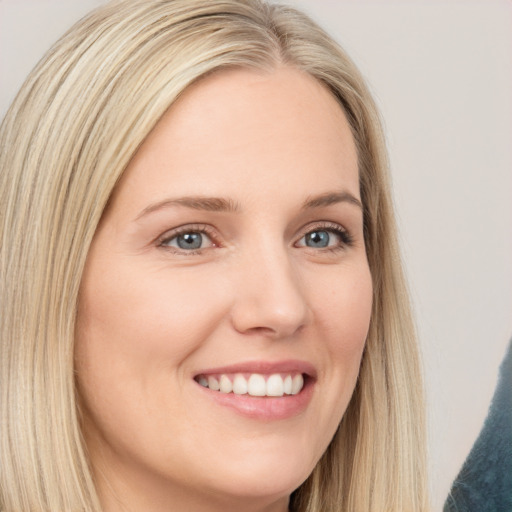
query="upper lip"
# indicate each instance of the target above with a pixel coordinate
(264, 367)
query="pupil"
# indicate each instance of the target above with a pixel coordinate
(318, 239)
(190, 241)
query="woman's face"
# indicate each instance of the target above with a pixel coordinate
(231, 255)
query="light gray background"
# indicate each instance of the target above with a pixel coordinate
(442, 74)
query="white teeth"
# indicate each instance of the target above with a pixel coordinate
(274, 385)
(287, 385)
(213, 384)
(225, 384)
(297, 384)
(239, 385)
(257, 385)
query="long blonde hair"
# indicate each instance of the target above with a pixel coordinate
(65, 142)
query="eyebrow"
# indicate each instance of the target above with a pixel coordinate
(209, 204)
(331, 198)
(220, 204)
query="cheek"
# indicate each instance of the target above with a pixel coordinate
(343, 312)
(136, 331)
(146, 315)
(341, 303)
(344, 309)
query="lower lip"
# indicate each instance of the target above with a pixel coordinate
(264, 408)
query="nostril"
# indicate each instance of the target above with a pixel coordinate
(268, 320)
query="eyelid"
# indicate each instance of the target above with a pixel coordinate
(342, 232)
(346, 238)
(170, 234)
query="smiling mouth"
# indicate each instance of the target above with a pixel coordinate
(254, 384)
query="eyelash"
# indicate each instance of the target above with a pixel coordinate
(203, 229)
(345, 237)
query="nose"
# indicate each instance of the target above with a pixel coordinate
(271, 297)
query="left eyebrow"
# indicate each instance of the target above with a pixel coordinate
(331, 198)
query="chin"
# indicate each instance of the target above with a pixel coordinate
(252, 488)
(271, 477)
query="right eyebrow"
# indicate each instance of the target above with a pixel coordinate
(209, 204)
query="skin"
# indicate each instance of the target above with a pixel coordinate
(152, 315)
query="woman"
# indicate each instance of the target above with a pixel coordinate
(208, 312)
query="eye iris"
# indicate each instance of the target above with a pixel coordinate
(190, 241)
(317, 239)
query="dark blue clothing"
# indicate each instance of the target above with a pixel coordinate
(484, 483)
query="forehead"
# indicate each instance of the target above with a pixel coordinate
(248, 130)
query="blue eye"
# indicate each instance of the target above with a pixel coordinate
(188, 241)
(334, 237)
(318, 239)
